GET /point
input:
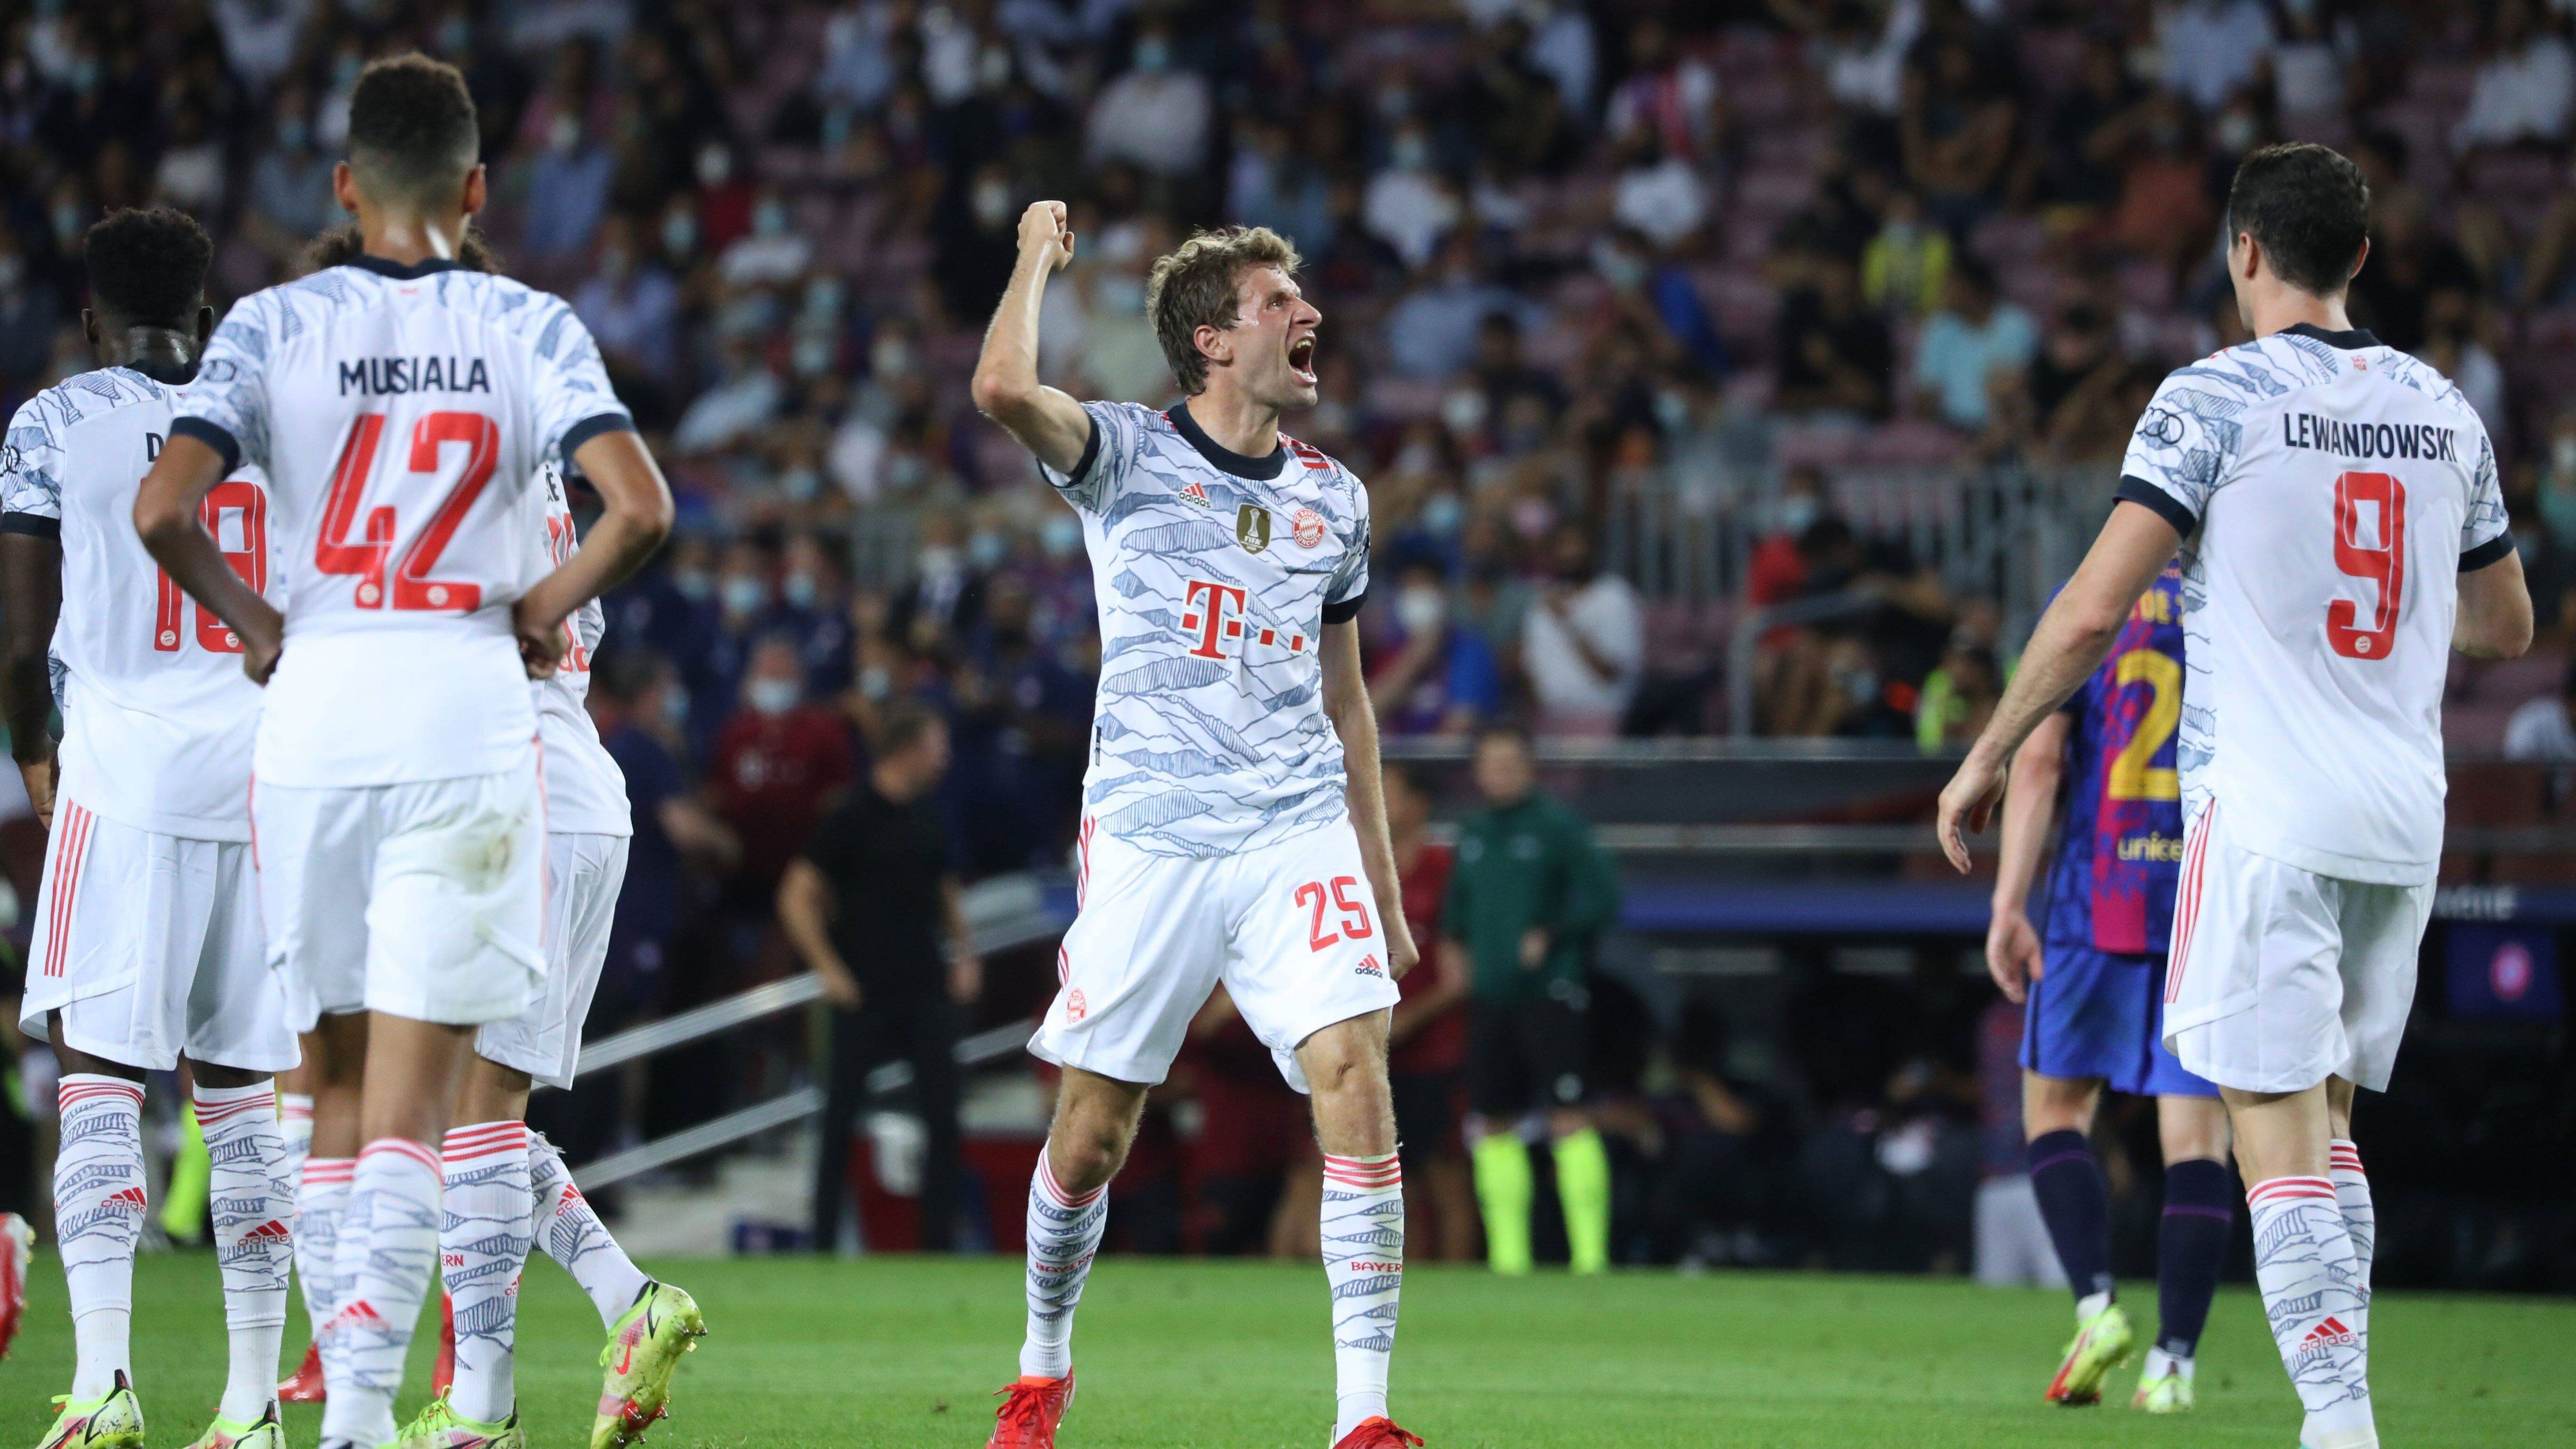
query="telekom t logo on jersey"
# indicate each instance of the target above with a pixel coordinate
(1212, 617)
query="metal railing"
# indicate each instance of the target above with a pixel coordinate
(1004, 912)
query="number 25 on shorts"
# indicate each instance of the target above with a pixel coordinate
(1354, 923)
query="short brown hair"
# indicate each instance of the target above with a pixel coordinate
(412, 126)
(2309, 206)
(1194, 287)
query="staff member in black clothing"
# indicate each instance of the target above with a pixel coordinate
(873, 906)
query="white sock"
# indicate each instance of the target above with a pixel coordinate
(252, 1209)
(482, 1246)
(387, 1251)
(2360, 1223)
(2311, 1292)
(1064, 1236)
(1363, 1234)
(295, 1129)
(321, 1201)
(2160, 1363)
(98, 1212)
(2089, 1305)
(571, 1234)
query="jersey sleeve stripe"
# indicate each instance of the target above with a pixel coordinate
(1090, 454)
(213, 435)
(2490, 552)
(592, 427)
(34, 525)
(2134, 489)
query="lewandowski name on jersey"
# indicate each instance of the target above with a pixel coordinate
(1216, 574)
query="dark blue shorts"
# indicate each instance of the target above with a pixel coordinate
(2095, 1014)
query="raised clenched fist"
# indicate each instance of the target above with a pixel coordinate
(1043, 234)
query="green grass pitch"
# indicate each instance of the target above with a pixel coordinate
(906, 1352)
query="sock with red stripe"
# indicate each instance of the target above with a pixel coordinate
(387, 1250)
(1363, 1236)
(572, 1234)
(321, 1202)
(488, 1210)
(99, 1203)
(252, 1210)
(2075, 1202)
(1064, 1236)
(2191, 1248)
(2360, 1220)
(2311, 1292)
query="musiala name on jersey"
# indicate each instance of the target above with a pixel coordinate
(388, 376)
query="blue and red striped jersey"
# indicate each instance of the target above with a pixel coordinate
(2112, 887)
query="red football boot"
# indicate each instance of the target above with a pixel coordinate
(1030, 1411)
(304, 1386)
(1378, 1433)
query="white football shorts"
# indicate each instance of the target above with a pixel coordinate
(583, 873)
(2280, 977)
(149, 946)
(424, 900)
(1291, 930)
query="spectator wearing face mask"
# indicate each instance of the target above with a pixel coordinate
(813, 604)
(777, 763)
(1156, 115)
(1584, 646)
(1440, 679)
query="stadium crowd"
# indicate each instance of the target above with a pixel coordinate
(1720, 257)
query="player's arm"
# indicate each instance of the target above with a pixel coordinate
(31, 595)
(2495, 610)
(2030, 804)
(1047, 421)
(165, 514)
(2070, 643)
(635, 517)
(805, 914)
(1346, 704)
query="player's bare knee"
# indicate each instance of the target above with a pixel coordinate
(223, 1079)
(2056, 1104)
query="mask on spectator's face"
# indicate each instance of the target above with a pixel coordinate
(675, 705)
(1797, 511)
(876, 681)
(1153, 55)
(679, 235)
(1462, 412)
(939, 563)
(1061, 537)
(454, 33)
(564, 134)
(2562, 458)
(715, 165)
(771, 696)
(992, 202)
(1411, 152)
(693, 584)
(743, 594)
(1119, 295)
(1420, 610)
(769, 218)
(800, 484)
(1442, 515)
(2236, 132)
(987, 547)
(800, 589)
(294, 134)
(812, 356)
(889, 356)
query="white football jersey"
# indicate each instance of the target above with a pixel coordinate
(157, 714)
(1215, 574)
(585, 791)
(2331, 491)
(400, 414)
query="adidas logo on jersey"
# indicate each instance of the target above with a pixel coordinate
(1368, 967)
(271, 1231)
(1196, 494)
(2329, 1334)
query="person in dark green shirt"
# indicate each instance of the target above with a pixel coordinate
(1529, 898)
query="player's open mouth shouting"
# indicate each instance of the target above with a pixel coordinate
(1301, 358)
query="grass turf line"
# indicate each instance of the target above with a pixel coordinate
(901, 1352)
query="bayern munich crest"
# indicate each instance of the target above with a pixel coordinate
(1307, 526)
